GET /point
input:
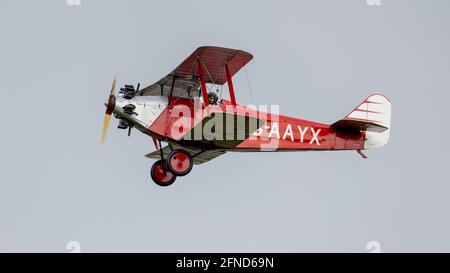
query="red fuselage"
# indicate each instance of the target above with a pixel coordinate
(274, 133)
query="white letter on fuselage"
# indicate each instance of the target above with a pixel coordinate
(315, 136)
(274, 130)
(288, 131)
(302, 132)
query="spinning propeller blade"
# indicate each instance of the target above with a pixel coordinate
(106, 122)
(109, 109)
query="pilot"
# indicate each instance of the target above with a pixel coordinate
(212, 98)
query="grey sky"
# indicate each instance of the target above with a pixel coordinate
(316, 59)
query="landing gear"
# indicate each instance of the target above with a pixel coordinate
(160, 175)
(179, 162)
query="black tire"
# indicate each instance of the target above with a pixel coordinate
(189, 163)
(157, 175)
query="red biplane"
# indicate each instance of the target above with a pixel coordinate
(199, 126)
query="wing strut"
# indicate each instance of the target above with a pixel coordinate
(230, 85)
(171, 89)
(202, 82)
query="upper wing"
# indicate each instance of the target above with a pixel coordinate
(199, 156)
(185, 79)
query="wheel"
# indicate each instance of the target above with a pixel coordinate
(179, 162)
(160, 175)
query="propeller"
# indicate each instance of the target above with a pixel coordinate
(109, 109)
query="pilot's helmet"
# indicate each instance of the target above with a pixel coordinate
(212, 98)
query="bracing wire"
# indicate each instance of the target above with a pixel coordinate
(210, 86)
(221, 87)
(249, 86)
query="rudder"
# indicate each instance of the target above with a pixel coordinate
(373, 116)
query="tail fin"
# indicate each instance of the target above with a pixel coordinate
(373, 116)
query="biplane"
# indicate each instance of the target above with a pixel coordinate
(198, 124)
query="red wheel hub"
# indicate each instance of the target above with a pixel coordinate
(161, 174)
(180, 162)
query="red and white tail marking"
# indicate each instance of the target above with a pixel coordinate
(375, 109)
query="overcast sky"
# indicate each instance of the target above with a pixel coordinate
(317, 59)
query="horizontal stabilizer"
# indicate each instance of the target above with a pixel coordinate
(357, 125)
